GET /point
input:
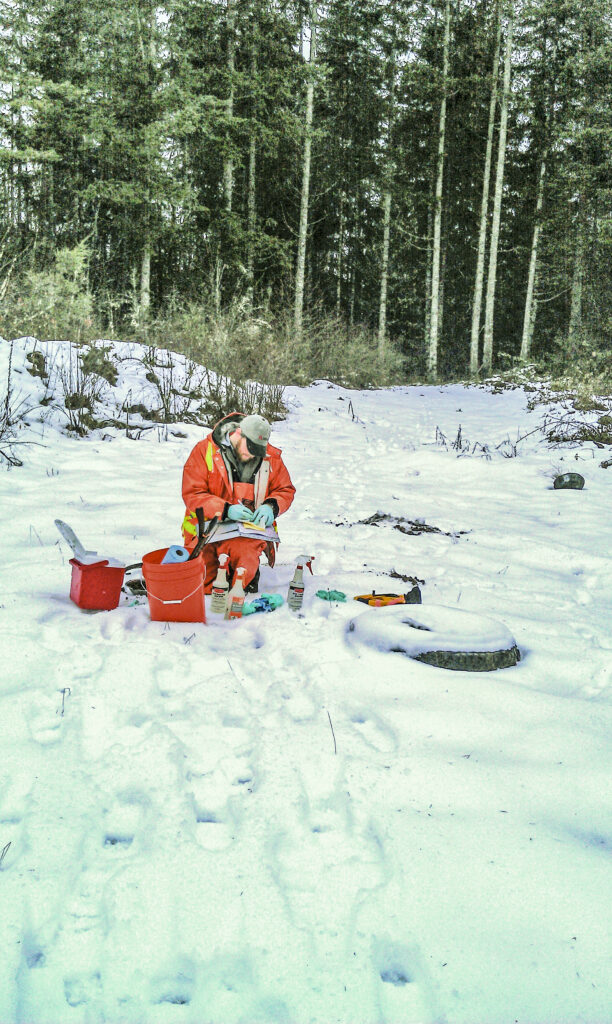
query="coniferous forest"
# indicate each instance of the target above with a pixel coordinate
(436, 175)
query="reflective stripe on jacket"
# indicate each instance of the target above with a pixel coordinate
(206, 484)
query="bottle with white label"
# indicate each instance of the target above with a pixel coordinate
(218, 594)
(235, 598)
(295, 594)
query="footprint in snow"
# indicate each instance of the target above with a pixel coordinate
(236, 733)
(32, 952)
(45, 720)
(125, 819)
(138, 719)
(406, 991)
(599, 683)
(299, 704)
(213, 833)
(15, 792)
(176, 989)
(219, 775)
(83, 990)
(84, 921)
(218, 796)
(374, 731)
(171, 679)
(216, 808)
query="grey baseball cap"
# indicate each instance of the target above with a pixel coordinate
(256, 430)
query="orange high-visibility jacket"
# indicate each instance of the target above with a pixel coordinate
(206, 482)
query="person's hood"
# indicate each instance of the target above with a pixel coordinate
(226, 426)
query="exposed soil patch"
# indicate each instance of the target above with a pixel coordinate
(412, 527)
(406, 579)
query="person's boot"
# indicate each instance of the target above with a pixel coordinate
(253, 586)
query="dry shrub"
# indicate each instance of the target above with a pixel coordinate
(243, 344)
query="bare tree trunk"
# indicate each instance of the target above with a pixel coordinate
(484, 206)
(442, 285)
(340, 262)
(228, 163)
(18, 178)
(575, 321)
(306, 159)
(250, 261)
(487, 354)
(353, 269)
(384, 275)
(355, 254)
(216, 276)
(428, 268)
(384, 272)
(251, 213)
(434, 326)
(146, 37)
(145, 279)
(530, 301)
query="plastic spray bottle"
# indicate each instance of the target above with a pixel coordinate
(295, 594)
(218, 597)
(235, 598)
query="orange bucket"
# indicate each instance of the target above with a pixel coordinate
(175, 591)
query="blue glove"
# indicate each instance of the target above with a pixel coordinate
(264, 516)
(239, 513)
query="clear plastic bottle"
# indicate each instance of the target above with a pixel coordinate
(218, 595)
(235, 598)
(295, 594)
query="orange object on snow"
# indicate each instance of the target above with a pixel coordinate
(381, 600)
(175, 590)
(207, 485)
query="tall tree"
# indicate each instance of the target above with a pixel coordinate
(228, 162)
(300, 269)
(530, 298)
(434, 322)
(252, 177)
(544, 25)
(484, 204)
(386, 203)
(487, 355)
(146, 33)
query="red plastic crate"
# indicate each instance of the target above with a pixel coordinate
(96, 587)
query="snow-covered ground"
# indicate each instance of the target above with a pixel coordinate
(260, 821)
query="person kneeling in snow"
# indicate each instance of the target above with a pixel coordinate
(236, 475)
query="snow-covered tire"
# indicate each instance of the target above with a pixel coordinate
(436, 635)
